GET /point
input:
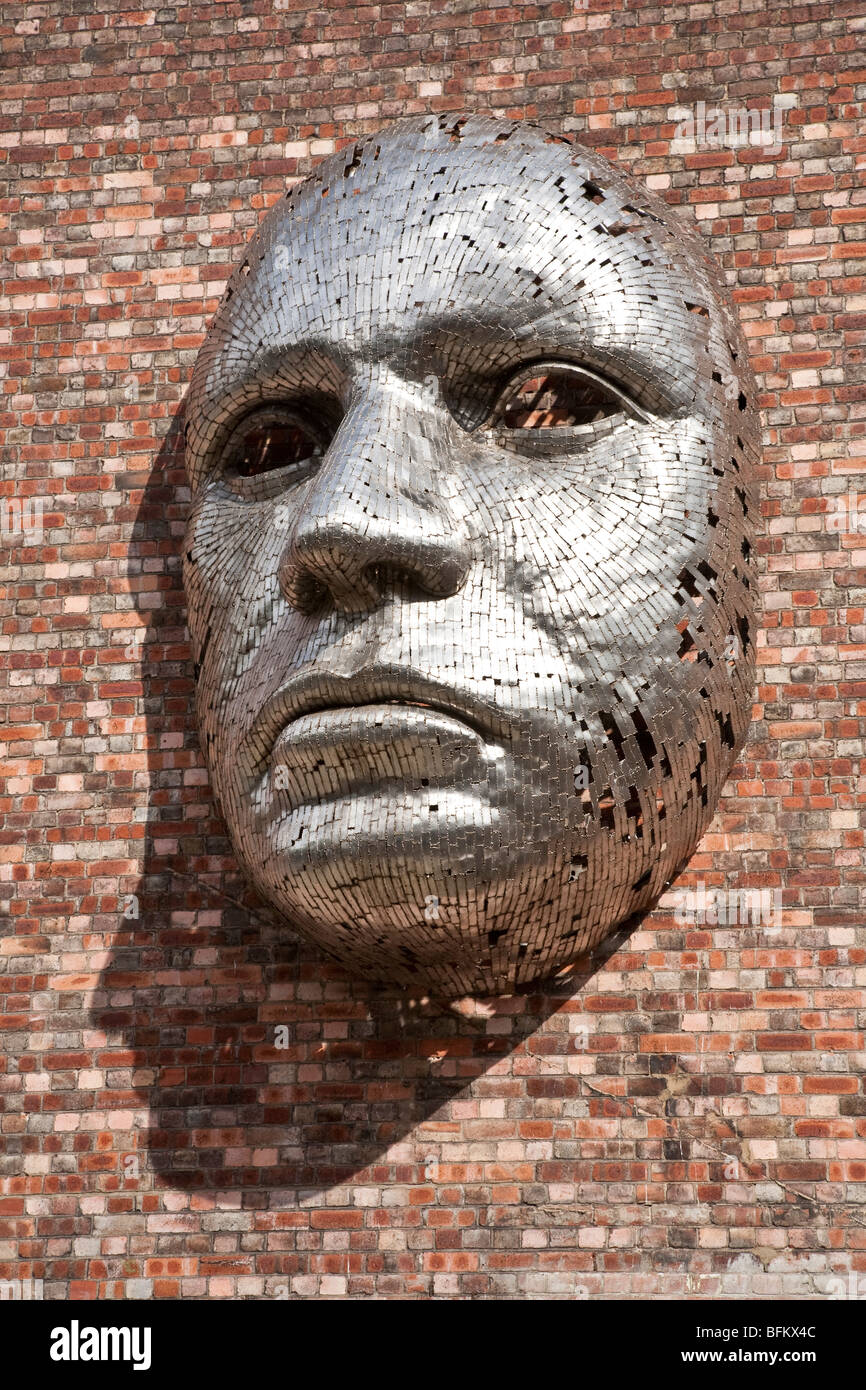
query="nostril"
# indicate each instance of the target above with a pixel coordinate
(434, 576)
(306, 593)
(387, 576)
(377, 576)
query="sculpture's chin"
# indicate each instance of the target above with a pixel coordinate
(455, 915)
(439, 830)
(491, 872)
(448, 954)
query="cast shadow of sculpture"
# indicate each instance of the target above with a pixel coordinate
(264, 1067)
(440, 663)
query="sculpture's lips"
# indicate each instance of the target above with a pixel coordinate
(409, 692)
(357, 750)
(333, 723)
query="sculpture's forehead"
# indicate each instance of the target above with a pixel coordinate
(506, 231)
(414, 235)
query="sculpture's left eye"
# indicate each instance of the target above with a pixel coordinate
(559, 396)
(554, 399)
(270, 441)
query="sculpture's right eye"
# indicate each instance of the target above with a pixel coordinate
(273, 440)
(277, 445)
(273, 449)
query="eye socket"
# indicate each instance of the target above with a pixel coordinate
(558, 396)
(276, 447)
(552, 400)
(268, 442)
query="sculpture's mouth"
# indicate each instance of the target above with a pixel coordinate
(324, 719)
(352, 750)
(367, 699)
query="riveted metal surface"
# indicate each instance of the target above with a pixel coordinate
(469, 563)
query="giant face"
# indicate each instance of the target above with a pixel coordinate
(468, 573)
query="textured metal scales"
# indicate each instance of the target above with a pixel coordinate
(468, 566)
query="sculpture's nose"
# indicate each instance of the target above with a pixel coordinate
(377, 513)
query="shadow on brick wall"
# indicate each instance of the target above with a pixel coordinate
(266, 1070)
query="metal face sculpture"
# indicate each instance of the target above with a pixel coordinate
(468, 568)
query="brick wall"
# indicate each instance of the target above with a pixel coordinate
(686, 1110)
